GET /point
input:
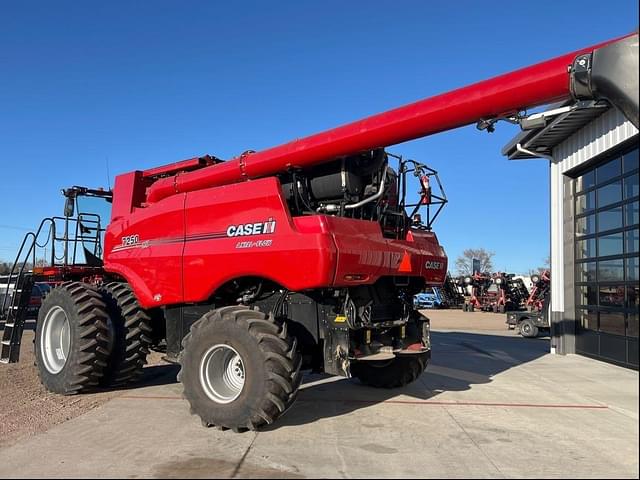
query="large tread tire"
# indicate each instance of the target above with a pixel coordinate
(271, 362)
(395, 373)
(132, 335)
(89, 338)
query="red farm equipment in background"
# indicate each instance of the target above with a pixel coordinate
(535, 318)
(512, 293)
(540, 289)
(302, 256)
(477, 289)
(498, 292)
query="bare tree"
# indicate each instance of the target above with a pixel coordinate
(544, 267)
(464, 263)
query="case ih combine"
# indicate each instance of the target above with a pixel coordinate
(300, 256)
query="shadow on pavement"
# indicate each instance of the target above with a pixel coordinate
(459, 361)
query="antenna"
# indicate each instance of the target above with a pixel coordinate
(106, 159)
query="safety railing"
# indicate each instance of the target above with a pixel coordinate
(63, 237)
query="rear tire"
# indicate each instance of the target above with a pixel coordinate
(132, 334)
(72, 338)
(392, 373)
(528, 329)
(240, 368)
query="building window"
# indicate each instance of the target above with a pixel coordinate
(606, 249)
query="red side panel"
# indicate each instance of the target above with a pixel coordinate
(220, 243)
(145, 248)
(244, 230)
(130, 192)
(361, 249)
(364, 253)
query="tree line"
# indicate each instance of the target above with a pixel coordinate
(464, 263)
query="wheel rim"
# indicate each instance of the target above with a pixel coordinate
(222, 373)
(55, 342)
(526, 328)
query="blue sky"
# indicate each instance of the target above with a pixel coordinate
(141, 84)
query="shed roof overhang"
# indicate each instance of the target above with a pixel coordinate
(542, 140)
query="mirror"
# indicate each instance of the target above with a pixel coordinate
(69, 207)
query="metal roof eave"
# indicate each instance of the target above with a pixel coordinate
(543, 139)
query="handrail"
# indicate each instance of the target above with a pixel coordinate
(83, 219)
(28, 249)
(32, 246)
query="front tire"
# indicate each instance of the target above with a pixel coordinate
(72, 339)
(240, 368)
(395, 373)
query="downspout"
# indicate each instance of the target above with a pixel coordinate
(557, 254)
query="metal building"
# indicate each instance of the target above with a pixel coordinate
(592, 151)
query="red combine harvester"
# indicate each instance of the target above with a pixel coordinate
(305, 255)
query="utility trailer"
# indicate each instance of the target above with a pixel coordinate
(302, 256)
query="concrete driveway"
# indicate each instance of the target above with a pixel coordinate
(491, 404)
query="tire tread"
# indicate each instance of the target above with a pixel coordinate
(282, 359)
(131, 346)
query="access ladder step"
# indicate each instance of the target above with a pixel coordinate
(15, 320)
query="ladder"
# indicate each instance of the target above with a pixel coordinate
(14, 304)
(15, 313)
